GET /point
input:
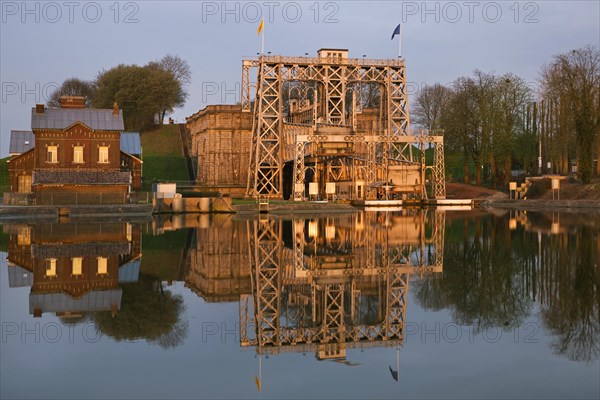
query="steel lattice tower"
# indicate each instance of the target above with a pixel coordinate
(328, 81)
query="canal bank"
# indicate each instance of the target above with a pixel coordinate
(278, 207)
(543, 205)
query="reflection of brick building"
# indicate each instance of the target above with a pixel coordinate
(73, 268)
(219, 268)
(76, 157)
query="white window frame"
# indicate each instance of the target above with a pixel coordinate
(102, 160)
(50, 267)
(52, 156)
(78, 150)
(102, 266)
(77, 266)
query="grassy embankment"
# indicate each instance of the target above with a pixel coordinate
(162, 156)
(162, 254)
(4, 175)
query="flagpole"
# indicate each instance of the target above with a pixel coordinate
(262, 49)
(400, 43)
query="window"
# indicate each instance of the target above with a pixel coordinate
(102, 265)
(103, 154)
(24, 236)
(78, 154)
(24, 184)
(76, 265)
(52, 155)
(51, 267)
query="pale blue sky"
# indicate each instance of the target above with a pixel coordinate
(44, 43)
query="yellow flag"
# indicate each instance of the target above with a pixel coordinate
(258, 383)
(260, 26)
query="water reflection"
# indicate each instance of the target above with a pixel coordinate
(73, 268)
(91, 272)
(331, 284)
(501, 269)
(319, 285)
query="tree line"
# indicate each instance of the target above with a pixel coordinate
(146, 94)
(496, 124)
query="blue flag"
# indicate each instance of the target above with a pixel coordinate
(396, 31)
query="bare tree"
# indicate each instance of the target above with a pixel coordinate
(73, 87)
(573, 79)
(180, 70)
(429, 106)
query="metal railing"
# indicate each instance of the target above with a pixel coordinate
(73, 199)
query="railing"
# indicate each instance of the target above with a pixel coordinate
(18, 199)
(140, 198)
(74, 199)
(70, 198)
(366, 62)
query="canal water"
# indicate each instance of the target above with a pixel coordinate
(378, 304)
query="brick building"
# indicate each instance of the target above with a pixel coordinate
(76, 156)
(221, 140)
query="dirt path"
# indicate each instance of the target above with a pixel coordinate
(465, 191)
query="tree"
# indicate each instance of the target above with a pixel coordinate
(73, 87)
(142, 92)
(573, 80)
(429, 106)
(147, 312)
(180, 70)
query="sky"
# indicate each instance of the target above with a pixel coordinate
(42, 43)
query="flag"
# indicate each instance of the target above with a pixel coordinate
(258, 383)
(394, 373)
(260, 26)
(396, 31)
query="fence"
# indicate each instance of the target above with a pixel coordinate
(71, 198)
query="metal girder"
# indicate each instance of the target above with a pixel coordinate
(266, 164)
(245, 98)
(439, 175)
(267, 254)
(299, 172)
(332, 78)
(335, 94)
(298, 305)
(439, 236)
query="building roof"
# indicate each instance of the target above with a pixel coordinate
(19, 276)
(101, 300)
(130, 143)
(81, 177)
(20, 142)
(61, 118)
(101, 249)
(130, 271)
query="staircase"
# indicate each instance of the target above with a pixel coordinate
(186, 144)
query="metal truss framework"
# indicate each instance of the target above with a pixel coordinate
(300, 305)
(331, 81)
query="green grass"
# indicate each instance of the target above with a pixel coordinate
(162, 254)
(4, 184)
(4, 240)
(162, 157)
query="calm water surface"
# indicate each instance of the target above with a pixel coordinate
(366, 305)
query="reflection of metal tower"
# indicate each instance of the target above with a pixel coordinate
(336, 286)
(327, 126)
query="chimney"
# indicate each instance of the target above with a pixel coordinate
(39, 108)
(72, 102)
(116, 109)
